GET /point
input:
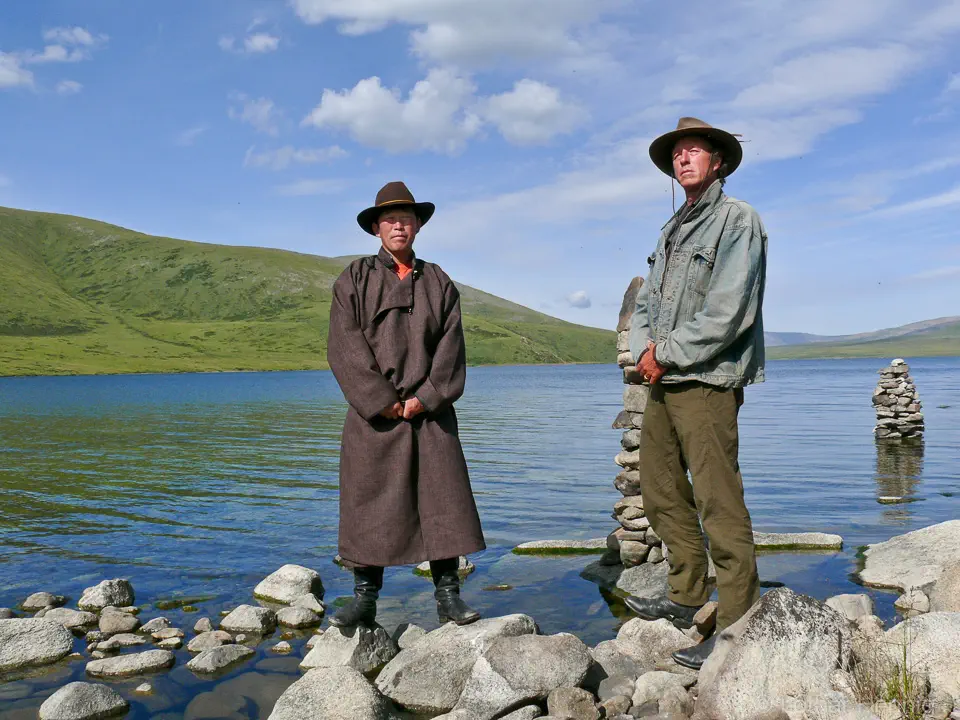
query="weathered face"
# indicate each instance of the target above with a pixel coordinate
(694, 166)
(397, 230)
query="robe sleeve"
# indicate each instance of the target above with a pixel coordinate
(350, 357)
(448, 373)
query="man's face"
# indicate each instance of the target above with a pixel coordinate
(693, 165)
(397, 230)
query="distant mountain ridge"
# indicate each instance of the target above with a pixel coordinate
(939, 336)
(779, 339)
(82, 296)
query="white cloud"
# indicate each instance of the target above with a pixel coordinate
(579, 299)
(432, 117)
(74, 36)
(12, 73)
(69, 44)
(261, 113)
(261, 43)
(189, 137)
(948, 271)
(304, 188)
(941, 200)
(953, 85)
(69, 87)
(282, 158)
(56, 53)
(531, 113)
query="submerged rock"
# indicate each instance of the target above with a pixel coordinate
(218, 658)
(117, 592)
(562, 547)
(364, 649)
(797, 541)
(209, 640)
(288, 584)
(26, 642)
(83, 701)
(464, 568)
(121, 640)
(136, 664)
(335, 693)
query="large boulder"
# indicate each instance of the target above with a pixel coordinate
(922, 559)
(25, 642)
(336, 693)
(519, 670)
(218, 658)
(364, 649)
(430, 676)
(71, 619)
(647, 642)
(117, 592)
(781, 655)
(41, 600)
(83, 701)
(932, 644)
(135, 664)
(288, 584)
(250, 619)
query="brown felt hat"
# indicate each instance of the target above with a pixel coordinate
(391, 195)
(661, 149)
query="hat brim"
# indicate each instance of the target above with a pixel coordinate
(661, 149)
(367, 218)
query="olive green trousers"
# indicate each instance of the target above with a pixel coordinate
(694, 426)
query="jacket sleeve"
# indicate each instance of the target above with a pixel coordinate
(350, 357)
(640, 323)
(731, 304)
(448, 373)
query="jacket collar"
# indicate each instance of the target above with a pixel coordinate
(388, 261)
(709, 200)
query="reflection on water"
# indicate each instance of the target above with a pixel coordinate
(899, 471)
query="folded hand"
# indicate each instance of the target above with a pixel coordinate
(649, 367)
(412, 408)
(392, 412)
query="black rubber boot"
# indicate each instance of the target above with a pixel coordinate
(694, 657)
(362, 609)
(663, 607)
(450, 608)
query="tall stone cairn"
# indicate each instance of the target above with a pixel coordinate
(898, 404)
(634, 542)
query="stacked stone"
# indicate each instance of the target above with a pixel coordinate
(898, 404)
(634, 542)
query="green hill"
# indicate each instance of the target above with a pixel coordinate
(85, 297)
(935, 337)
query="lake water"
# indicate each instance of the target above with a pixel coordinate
(197, 486)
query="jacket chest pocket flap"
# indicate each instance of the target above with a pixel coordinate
(702, 260)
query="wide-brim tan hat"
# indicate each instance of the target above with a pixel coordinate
(661, 149)
(391, 195)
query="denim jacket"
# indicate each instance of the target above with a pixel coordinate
(702, 306)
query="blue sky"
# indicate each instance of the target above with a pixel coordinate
(273, 123)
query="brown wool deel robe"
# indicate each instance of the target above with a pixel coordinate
(405, 493)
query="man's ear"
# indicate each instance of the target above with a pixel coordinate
(376, 228)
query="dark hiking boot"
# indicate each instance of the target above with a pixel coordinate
(450, 608)
(663, 607)
(694, 657)
(362, 609)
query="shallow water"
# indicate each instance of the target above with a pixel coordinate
(197, 486)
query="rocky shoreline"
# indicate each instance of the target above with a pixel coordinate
(791, 657)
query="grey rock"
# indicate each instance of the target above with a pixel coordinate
(209, 640)
(117, 592)
(518, 670)
(364, 649)
(628, 483)
(336, 693)
(913, 602)
(666, 689)
(786, 648)
(464, 568)
(530, 712)
(250, 619)
(310, 602)
(633, 553)
(933, 642)
(144, 689)
(312, 642)
(6, 614)
(705, 619)
(288, 584)
(218, 658)
(167, 634)
(282, 647)
(651, 537)
(852, 607)
(119, 641)
(41, 600)
(797, 541)
(561, 546)
(94, 636)
(203, 625)
(655, 556)
(630, 439)
(115, 622)
(407, 635)
(623, 342)
(616, 706)
(945, 593)
(170, 644)
(155, 625)
(635, 398)
(636, 525)
(573, 703)
(609, 662)
(135, 664)
(647, 642)
(71, 619)
(83, 701)
(26, 642)
(628, 460)
(298, 617)
(615, 686)
(430, 676)
(628, 307)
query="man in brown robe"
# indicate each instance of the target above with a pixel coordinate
(396, 348)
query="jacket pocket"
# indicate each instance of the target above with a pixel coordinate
(701, 269)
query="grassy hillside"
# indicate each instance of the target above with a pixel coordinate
(943, 339)
(81, 296)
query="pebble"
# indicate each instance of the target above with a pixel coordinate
(168, 633)
(281, 647)
(145, 689)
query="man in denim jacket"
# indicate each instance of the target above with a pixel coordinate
(697, 337)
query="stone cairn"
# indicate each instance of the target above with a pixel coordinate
(634, 542)
(898, 404)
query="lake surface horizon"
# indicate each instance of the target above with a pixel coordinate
(196, 486)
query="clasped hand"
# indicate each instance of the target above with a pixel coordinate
(649, 367)
(406, 410)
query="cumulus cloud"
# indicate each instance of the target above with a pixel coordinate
(284, 157)
(254, 44)
(69, 44)
(74, 36)
(69, 87)
(579, 299)
(12, 72)
(432, 117)
(304, 188)
(259, 113)
(531, 113)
